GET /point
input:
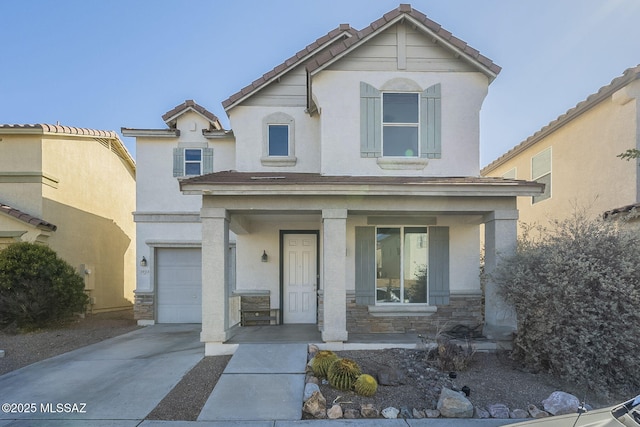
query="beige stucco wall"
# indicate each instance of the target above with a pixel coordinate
(88, 192)
(585, 170)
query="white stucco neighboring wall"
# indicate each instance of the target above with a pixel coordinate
(337, 94)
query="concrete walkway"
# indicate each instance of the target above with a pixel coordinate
(261, 382)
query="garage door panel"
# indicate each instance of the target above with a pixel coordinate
(179, 281)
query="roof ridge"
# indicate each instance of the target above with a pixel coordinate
(190, 104)
(58, 128)
(628, 75)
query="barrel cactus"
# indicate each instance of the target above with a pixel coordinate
(321, 362)
(365, 385)
(342, 374)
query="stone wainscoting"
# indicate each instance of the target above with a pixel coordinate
(463, 309)
(143, 306)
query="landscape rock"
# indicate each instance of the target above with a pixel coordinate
(482, 413)
(498, 410)
(390, 413)
(561, 403)
(316, 405)
(369, 411)
(535, 412)
(431, 413)
(313, 380)
(334, 412)
(453, 404)
(418, 414)
(309, 389)
(351, 413)
(405, 413)
(519, 414)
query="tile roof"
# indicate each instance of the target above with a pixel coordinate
(344, 30)
(404, 10)
(613, 213)
(118, 147)
(343, 38)
(295, 178)
(629, 75)
(190, 105)
(25, 217)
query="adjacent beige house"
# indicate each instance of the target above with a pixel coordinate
(72, 189)
(575, 156)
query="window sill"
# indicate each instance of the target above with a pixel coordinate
(402, 163)
(397, 310)
(278, 161)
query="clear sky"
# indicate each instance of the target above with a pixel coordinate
(107, 64)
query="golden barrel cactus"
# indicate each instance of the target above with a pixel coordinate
(342, 374)
(321, 362)
(366, 385)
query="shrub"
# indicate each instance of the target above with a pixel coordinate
(576, 290)
(37, 287)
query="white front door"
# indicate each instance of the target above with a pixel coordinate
(300, 278)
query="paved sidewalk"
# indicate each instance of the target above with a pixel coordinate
(261, 382)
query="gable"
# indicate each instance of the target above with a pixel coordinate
(401, 47)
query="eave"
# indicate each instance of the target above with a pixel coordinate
(151, 133)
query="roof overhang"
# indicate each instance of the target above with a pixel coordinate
(151, 133)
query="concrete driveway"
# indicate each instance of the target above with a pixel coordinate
(122, 378)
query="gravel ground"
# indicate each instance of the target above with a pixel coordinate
(491, 377)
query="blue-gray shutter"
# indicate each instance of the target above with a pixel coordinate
(438, 265)
(178, 162)
(365, 265)
(430, 123)
(370, 121)
(207, 160)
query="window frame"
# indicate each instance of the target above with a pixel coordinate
(402, 266)
(271, 126)
(187, 161)
(542, 177)
(278, 119)
(416, 124)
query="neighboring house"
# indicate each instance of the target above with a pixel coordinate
(350, 186)
(73, 190)
(575, 156)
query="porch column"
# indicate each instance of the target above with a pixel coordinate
(215, 275)
(501, 235)
(334, 267)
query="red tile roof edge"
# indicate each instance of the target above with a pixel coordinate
(187, 105)
(25, 217)
(299, 57)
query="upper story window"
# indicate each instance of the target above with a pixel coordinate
(541, 172)
(278, 140)
(192, 161)
(400, 124)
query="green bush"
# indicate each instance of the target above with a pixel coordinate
(37, 287)
(576, 291)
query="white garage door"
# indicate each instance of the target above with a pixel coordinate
(179, 280)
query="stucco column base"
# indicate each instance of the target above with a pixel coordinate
(219, 349)
(335, 336)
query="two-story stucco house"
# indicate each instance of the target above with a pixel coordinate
(576, 157)
(72, 189)
(350, 186)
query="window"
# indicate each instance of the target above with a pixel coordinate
(278, 140)
(541, 172)
(402, 256)
(510, 174)
(278, 136)
(400, 124)
(192, 161)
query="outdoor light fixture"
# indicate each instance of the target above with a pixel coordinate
(265, 257)
(143, 262)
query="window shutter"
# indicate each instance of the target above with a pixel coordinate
(178, 162)
(365, 265)
(430, 123)
(370, 121)
(207, 160)
(438, 265)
